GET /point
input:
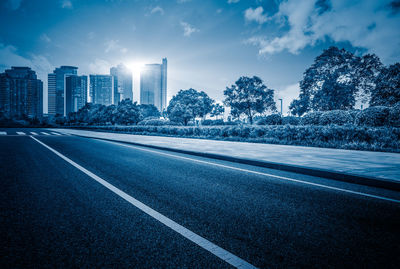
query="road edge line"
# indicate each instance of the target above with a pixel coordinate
(214, 249)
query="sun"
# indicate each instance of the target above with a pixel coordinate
(135, 67)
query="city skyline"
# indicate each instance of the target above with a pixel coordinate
(209, 44)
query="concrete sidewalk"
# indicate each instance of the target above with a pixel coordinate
(364, 164)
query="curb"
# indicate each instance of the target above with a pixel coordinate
(340, 176)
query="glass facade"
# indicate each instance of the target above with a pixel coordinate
(21, 93)
(102, 89)
(75, 92)
(153, 85)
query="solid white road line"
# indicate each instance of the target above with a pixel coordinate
(3, 133)
(55, 133)
(195, 238)
(257, 173)
(21, 133)
(34, 133)
(44, 133)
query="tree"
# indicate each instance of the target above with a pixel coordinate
(149, 111)
(127, 112)
(249, 96)
(189, 104)
(333, 96)
(387, 91)
(349, 77)
(217, 110)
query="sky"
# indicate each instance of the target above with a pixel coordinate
(208, 44)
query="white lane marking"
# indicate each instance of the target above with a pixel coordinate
(44, 133)
(258, 173)
(55, 133)
(195, 238)
(34, 133)
(3, 133)
(21, 133)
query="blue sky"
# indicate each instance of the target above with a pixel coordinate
(209, 44)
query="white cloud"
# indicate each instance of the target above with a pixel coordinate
(368, 24)
(113, 45)
(182, 1)
(233, 1)
(255, 15)
(188, 29)
(99, 66)
(45, 38)
(66, 4)
(157, 9)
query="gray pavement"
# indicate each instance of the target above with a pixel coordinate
(381, 165)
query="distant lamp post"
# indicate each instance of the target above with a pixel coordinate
(281, 106)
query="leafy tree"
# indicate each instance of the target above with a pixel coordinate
(337, 70)
(333, 95)
(149, 111)
(127, 112)
(249, 96)
(217, 110)
(189, 104)
(387, 91)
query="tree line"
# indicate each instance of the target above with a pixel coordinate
(335, 81)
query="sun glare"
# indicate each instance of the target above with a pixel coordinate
(135, 67)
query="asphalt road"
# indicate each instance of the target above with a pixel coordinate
(55, 215)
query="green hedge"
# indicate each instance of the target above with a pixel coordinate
(331, 136)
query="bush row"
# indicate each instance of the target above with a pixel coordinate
(372, 116)
(334, 136)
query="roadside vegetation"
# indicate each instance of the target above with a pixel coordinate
(323, 115)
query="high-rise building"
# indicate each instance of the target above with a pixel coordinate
(153, 85)
(56, 89)
(21, 93)
(102, 89)
(122, 83)
(75, 92)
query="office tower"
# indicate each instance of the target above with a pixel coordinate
(56, 89)
(122, 83)
(75, 92)
(102, 89)
(21, 93)
(153, 85)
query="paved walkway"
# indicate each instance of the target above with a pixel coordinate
(380, 165)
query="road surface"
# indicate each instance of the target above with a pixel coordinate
(69, 201)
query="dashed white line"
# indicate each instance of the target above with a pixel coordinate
(54, 133)
(44, 133)
(34, 133)
(3, 133)
(258, 173)
(21, 133)
(195, 238)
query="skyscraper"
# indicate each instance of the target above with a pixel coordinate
(102, 89)
(56, 89)
(21, 93)
(122, 83)
(153, 85)
(75, 92)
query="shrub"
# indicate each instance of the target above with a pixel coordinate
(394, 115)
(152, 121)
(213, 122)
(290, 120)
(338, 117)
(311, 118)
(274, 119)
(373, 116)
